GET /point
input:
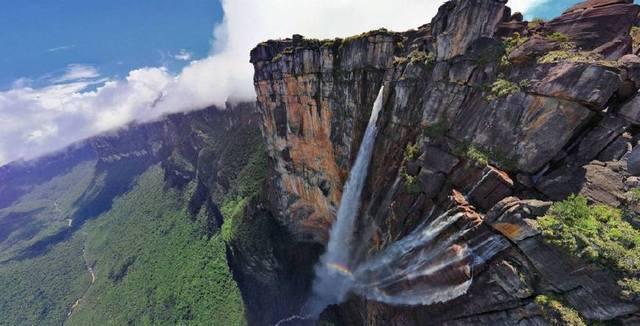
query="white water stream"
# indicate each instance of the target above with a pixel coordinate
(427, 266)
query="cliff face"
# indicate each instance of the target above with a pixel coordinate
(512, 114)
(136, 213)
(205, 147)
(315, 104)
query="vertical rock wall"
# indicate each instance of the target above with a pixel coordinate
(493, 126)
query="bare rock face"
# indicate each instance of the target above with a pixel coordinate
(598, 138)
(460, 23)
(311, 115)
(491, 188)
(633, 162)
(630, 64)
(525, 129)
(575, 82)
(583, 22)
(471, 122)
(534, 46)
(631, 110)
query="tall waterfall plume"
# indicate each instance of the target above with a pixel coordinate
(434, 263)
(333, 277)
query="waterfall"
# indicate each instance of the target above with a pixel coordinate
(333, 274)
(434, 263)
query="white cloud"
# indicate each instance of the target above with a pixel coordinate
(61, 48)
(183, 55)
(77, 72)
(227, 72)
(21, 82)
(36, 121)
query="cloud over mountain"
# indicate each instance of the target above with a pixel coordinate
(81, 103)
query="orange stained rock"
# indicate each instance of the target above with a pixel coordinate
(310, 148)
(458, 198)
(504, 177)
(510, 230)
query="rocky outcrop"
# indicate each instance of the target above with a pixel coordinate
(591, 85)
(583, 23)
(459, 24)
(474, 119)
(313, 97)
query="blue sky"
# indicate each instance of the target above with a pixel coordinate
(41, 37)
(552, 8)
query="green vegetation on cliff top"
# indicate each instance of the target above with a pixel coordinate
(556, 313)
(599, 234)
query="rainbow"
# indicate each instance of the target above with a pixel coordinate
(340, 268)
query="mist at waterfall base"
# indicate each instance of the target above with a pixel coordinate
(431, 264)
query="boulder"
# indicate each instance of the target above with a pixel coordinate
(604, 185)
(431, 182)
(599, 182)
(631, 110)
(559, 183)
(631, 183)
(616, 149)
(492, 187)
(616, 48)
(517, 16)
(591, 85)
(437, 160)
(597, 138)
(515, 218)
(630, 65)
(508, 277)
(537, 45)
